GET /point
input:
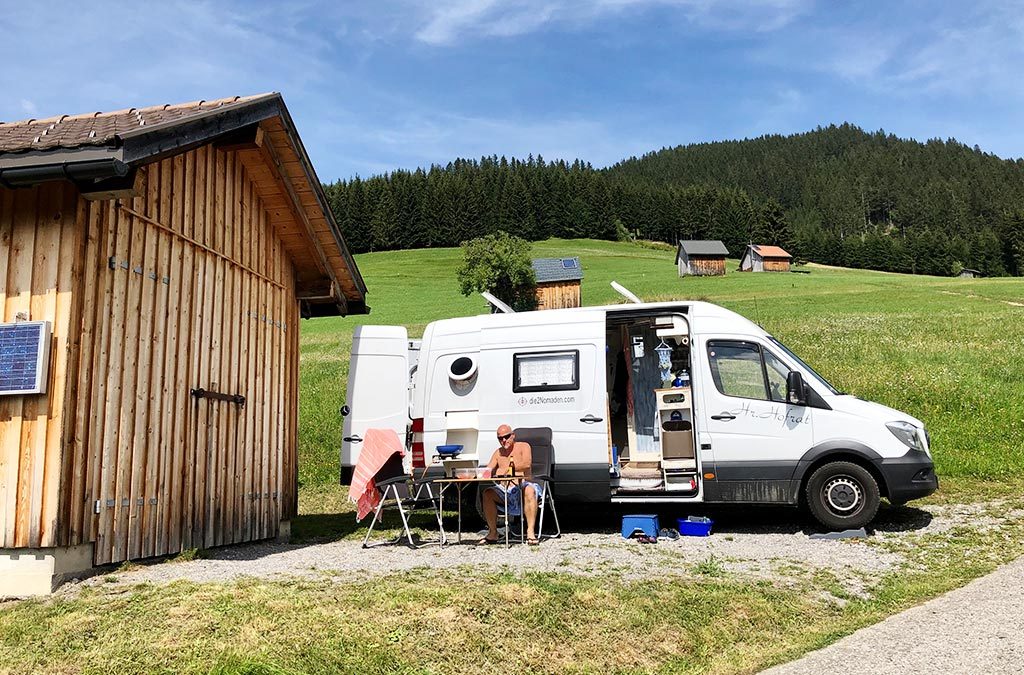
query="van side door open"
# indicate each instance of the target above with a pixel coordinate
(757, 438)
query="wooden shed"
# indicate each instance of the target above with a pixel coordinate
(967, 273)
(701, 258)
(169, 253)
(760, 258)
(558, 282)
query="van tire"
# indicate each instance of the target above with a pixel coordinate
(842, 495)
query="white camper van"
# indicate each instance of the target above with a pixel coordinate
(681, 402)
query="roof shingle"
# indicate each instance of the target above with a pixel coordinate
(99, 128)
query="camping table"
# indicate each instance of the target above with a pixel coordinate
(461, 483)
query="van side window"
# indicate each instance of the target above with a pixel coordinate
(737, 369)
(546, 371)
(777, 373)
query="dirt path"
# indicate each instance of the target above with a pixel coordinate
(766, 544)
(974, 629)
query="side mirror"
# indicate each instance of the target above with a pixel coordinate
(796, 394)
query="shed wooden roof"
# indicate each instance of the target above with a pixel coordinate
(99, 151)
(770, 251)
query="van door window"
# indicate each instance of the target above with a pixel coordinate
(737, 370)
(777, 373)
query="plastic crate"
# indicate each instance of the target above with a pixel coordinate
(694, 526)
(646, 523)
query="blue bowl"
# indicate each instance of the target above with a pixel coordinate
(449, 450)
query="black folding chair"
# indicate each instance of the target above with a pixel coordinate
(400, 491)
(542, 459)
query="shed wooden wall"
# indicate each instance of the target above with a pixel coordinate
(39, 266)
(558, 295)
(701, 266)
(776, 265)
(186, 286)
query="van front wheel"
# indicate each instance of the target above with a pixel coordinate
(842, 495)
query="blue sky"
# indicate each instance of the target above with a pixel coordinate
(375, 86)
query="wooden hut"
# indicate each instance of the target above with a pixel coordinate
(165, 255)
(558, 282)
(967, 273)
(759, 258)
(701, 258)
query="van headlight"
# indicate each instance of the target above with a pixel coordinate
(908, 434)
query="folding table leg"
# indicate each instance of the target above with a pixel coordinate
(376, 515)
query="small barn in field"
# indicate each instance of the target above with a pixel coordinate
(701, 258)
(558, 282)
(154, 265)
(759, 258)
(967, 273)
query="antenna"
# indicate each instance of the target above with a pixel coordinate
(497, 304)
(626, 293)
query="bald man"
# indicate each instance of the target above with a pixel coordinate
(511, 452)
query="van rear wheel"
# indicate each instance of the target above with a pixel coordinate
(842, 495)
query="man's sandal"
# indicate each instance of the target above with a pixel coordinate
(532, 541)
(484, 541)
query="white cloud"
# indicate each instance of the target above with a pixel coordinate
(449, 22)
(27, 106)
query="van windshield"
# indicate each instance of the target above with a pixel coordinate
(806, 367)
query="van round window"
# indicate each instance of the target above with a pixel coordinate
(462, 368)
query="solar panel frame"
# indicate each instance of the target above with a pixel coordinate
(24, 357)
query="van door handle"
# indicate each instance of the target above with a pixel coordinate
(590, 419)
(352, 439)
(725, 417)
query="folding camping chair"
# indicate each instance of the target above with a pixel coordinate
(542, 454)
(401, 492)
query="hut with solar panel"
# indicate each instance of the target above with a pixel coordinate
(558, 282)
(154, 264)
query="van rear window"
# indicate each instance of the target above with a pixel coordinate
(546, 371)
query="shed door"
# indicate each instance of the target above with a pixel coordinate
(181, 469)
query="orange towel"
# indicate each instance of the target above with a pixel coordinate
(378, 446)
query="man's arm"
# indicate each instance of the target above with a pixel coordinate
(526, 458)
(493, 464)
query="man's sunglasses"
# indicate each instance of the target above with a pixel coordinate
(505, 437)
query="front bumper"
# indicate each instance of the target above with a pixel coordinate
(911, 476)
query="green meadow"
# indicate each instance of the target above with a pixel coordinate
(948, 351)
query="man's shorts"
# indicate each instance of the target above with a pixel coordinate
(515, 496)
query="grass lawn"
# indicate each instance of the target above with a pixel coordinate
(948, 351)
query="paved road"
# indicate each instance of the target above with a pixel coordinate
(975, 629)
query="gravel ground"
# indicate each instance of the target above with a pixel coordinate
(974, 629)
(739, 547)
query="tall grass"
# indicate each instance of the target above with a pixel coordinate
(948, 351)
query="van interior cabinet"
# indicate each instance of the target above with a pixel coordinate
(651, 422)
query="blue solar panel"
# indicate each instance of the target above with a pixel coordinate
(20, 362)
(569, 263)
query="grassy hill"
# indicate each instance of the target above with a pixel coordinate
(948, 351)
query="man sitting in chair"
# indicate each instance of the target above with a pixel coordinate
(508, 455)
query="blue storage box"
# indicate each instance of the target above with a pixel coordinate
(694, 526)
(646, 523)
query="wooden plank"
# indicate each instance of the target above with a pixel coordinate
(114, 347)
(181, 346)
(56, 473)
(36, 409)
(10, 406)
(131, 457)
(216, 307)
